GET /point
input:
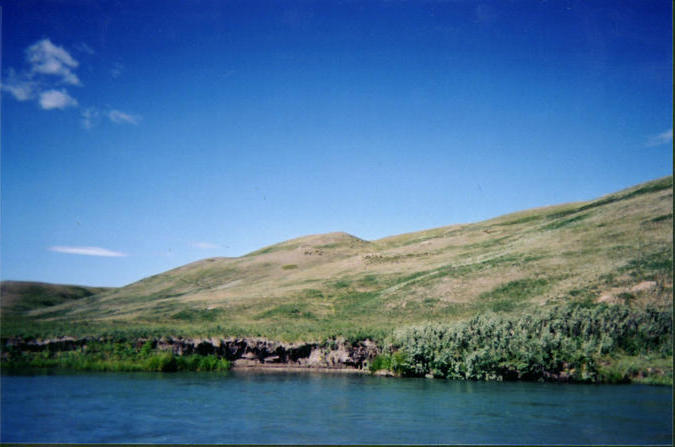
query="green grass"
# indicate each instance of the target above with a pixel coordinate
(287, 311)
(509, 296)
(25, 296)
(312, 294)
(273, 249)
(648, 266)
(563, 223)
(329, 246)
(191, 314)
(522, 220)
(585, 296)
(645, 369)
(341, 284)
(114, 356)
(394, 362)
(651, 187)
(662, 218)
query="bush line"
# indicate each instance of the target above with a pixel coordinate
(572, 342)
(115, 356)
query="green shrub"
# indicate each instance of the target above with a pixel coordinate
(114, 356)
(569, 339)
(146, 348)
(396, 362)
(161, 362)
(382, 361)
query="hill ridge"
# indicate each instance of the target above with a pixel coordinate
(615, 248)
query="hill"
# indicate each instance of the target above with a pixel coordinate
(23, 296)
(615, 249)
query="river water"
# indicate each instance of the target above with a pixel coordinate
(321, 408)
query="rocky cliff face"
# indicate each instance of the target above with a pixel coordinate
(243, 352)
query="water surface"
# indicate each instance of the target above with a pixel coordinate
(278, 407)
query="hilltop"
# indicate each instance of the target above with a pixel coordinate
(614, 249)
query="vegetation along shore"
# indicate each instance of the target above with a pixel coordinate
(577, 292)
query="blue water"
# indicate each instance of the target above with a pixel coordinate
(266, 407)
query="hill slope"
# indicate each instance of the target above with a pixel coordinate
(23, 296)
(617, 248)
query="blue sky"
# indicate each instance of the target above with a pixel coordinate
(139, 136)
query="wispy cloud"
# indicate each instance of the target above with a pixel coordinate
(89, 117)
(662, 138)
(56, 99)
(205, 245)
(19, 86)
(87, 251)
(84, 48)
(46, 58)
(119, 117)
(117, 70)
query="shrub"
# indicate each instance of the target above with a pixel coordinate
(162, 362)
(382, 361)
(568, 338)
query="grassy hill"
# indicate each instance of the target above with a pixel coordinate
(24, 296)
(615, 249)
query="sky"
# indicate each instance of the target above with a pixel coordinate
(139, 136)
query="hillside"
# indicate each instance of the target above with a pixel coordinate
(23, 296)
(615, 249)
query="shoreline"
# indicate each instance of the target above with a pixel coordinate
(296, 368)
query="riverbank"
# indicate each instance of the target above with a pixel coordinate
(178, 353)
(570, 343)
(296, 369)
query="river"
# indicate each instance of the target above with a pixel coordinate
(324, 408)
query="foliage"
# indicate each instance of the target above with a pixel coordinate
(115, 356)
(395, 362)
(647, 369)
(567, 340)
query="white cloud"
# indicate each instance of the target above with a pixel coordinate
(56, 99)
(48, 67)
(89, 117)
(20, 87)
(46, 58)
(87, 251)
(119, 117)
(205, 245)
(662, 138)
